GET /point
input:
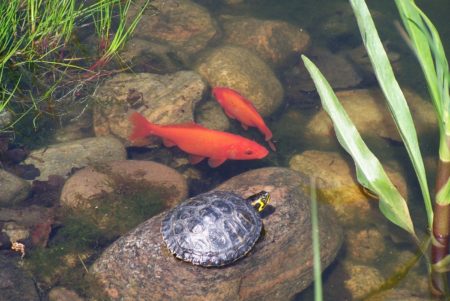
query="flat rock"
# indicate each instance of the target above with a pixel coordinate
(138, 266)
(277, 42)
(60, 159)
(242, 70)
(163, 99)
(13, 189)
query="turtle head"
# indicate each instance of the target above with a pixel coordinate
(259, 200)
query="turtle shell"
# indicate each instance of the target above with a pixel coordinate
(211, 229)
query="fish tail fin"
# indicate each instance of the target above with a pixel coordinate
(272, 146)
(266, 132)
(141, 127)
(268, 137)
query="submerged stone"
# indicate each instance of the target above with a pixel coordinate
(337, 184)
(139, 265)
(60, 159)
(240, 69)
(13, 189)
(162, 99)
(276, 42)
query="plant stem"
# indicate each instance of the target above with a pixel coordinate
(441, 227)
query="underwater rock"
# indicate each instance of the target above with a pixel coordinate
(30, 225)
(364, 245)
(162, 99)
(361, 59)
(211, 115)
(288, 129)
(361, 280)
(15, 231)
(117, 196)
(370, 114)
(276, 42)
(6, 118)
(145, 56)
(13, 189)
(185, 26)
(139, 265)
(63, 294)
(337, 27)
(93, 181)
(337, 184)
(338, 71)
(78, 127)
(60, 159)
(397, 295)
(15, 284)
(242, 70)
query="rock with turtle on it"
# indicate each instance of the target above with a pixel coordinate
(273, 264)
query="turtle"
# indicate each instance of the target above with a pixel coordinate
(214, 228)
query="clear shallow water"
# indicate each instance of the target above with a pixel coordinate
(309, 16)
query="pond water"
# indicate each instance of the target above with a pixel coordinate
(376, 256)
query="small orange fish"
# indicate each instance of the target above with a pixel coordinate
(199, 142)
(242, 109)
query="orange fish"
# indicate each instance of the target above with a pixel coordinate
(237, 107)
(198, 141)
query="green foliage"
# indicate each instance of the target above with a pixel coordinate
(426, 44)
(369, 171)
(37, 57)
(394, 96)
(103, 28)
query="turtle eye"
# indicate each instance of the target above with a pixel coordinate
(248, 152)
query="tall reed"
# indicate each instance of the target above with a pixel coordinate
(426, 44)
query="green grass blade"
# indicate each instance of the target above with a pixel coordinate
(430, 53)
(318, 291)
(394, 96)
(369, 171)
(419, 34)
(414, 26)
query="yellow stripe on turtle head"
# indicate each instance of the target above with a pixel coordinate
(259, 200)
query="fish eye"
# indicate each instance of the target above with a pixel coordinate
(248, 152)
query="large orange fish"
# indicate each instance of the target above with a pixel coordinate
(237, 107)
(199, 142)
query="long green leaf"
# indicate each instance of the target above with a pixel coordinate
(427, 46)
(394, 96)
(370, 173)
(413, 25)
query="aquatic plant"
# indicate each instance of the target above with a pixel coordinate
(425, 42)
(318, 290)
(109, 47)
(39, 63)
